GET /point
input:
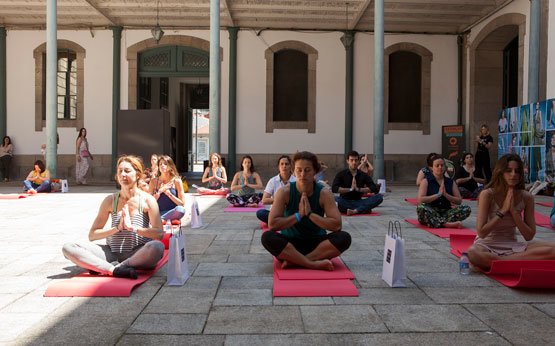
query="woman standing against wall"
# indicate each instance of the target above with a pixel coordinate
(6, 153)
(83, 155)
(482, 160)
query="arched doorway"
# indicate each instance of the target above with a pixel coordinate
(496, 73)
(173, 75)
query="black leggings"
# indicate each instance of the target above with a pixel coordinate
(275, 242)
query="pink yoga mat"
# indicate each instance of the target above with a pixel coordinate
(314, 288)
(371, 214)
(545, 204)
(412, 201)
(264, 226)
(340, 272)
(529, 274)
(14, 195)
(86, 285)
(542, 220)
(460, 243)
(441, 232)
(232, 209)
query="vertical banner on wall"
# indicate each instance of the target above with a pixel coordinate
(529, 131)
(453, 143)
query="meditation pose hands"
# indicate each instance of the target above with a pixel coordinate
(304, 206)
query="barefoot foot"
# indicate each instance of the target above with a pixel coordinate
(457, 224)
(324, 264)
(352, 211)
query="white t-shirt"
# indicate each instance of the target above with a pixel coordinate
(275, 184)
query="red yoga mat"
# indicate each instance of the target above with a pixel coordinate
(460, 243)
(232, 209)
(441, 232)
(340, 271)
(314, 288)
(412, 201)
(525, 274)
(542, 220)
(86, 285)
(545, 204)
(13, 195)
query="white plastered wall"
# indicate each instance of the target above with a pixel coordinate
(21, 91)
(443, 94)
(517, 6)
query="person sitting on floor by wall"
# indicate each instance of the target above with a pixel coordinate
(38, 180)
(304, 210)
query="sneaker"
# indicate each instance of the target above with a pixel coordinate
(538, 188)
(124, 271)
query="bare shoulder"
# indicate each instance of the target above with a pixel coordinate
(108, 202)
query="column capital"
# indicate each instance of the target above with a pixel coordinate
(348, 39)
(116, 30)
(233, 32)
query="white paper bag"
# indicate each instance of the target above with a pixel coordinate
(394, 269)
(65, 185)
(196, 221)
(178, 267)
(382, 186)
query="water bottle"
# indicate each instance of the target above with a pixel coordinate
(168, 226)
(464, 264)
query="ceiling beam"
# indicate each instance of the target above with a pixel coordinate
(354, 22)
(228, 12)
(102, 12)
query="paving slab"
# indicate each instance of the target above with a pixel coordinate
(428, 318)
(254, 320)
(168, 324)
(341, 319)
(171, 340)
(243, 297)
(396, 339)
(520, 324)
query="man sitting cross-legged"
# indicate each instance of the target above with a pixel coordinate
(352, 184)
(283, 178)
(304, 210)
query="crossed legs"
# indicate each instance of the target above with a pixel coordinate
(482, 257)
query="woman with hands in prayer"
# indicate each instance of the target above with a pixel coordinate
(436, 196)
(133, 240)
(304, 211)
(244, 185)
(505, 211)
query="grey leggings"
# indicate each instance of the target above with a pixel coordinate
(99, 257)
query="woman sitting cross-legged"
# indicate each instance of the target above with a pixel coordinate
(465, 179)
(244, 185)
(435, 196)
(167, 188)
(505, 210)
(304, 210)
(38, 180)
(214, 176)
(132, 241)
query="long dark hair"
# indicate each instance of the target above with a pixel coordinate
(251, 169)
(219, 160)
(4, 139)
(41, 165)
(81, 132)
(498, 183)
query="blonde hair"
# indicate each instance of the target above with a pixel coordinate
(135, 162)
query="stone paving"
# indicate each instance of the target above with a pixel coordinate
(228, 299)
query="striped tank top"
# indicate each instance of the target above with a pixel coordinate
(125, 241)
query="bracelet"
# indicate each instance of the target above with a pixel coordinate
(438, 194)
(499, 214)
(298, 217)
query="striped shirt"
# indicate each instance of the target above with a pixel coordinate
(125, 241)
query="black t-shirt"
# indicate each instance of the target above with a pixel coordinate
(471, 184)
(345, 179)
(484, 140)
